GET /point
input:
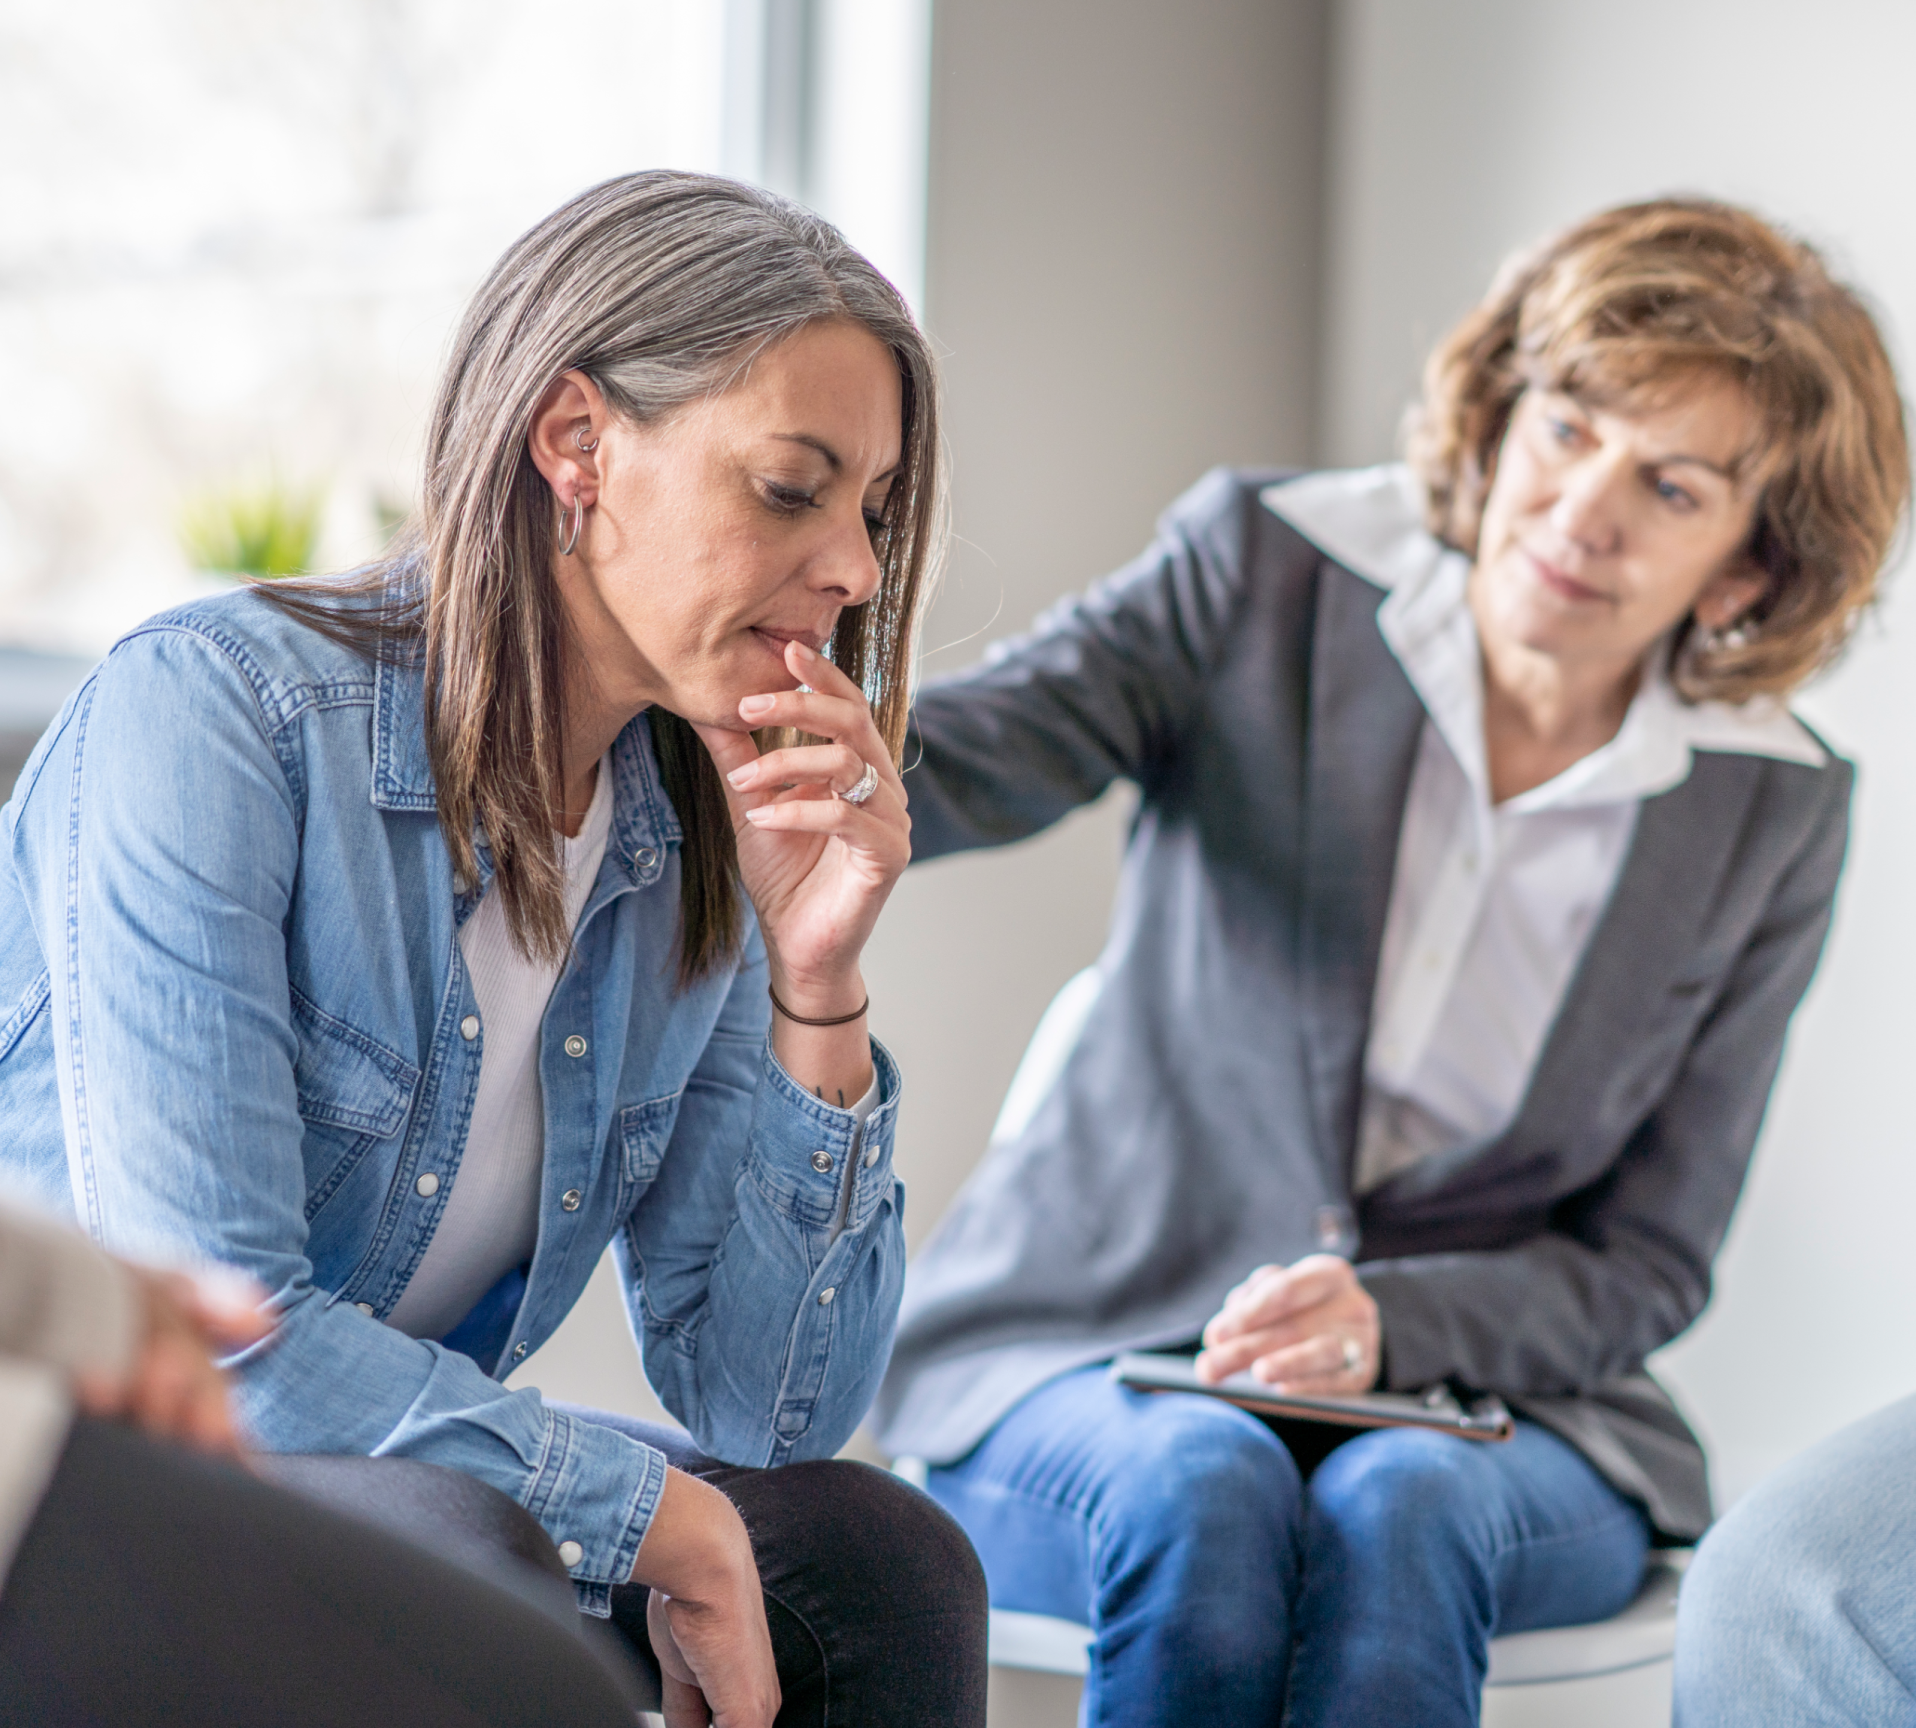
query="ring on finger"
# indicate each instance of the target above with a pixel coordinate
(867, 784)
(1353, 1354)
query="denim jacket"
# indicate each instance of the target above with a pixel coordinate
(235, 1026)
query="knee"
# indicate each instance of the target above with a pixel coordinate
(1203, 1475)
(1763, 1549)
(874, 1526)
(1391, 1486)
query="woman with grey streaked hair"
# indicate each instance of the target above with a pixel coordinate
(420, 934)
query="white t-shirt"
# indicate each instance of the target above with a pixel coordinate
(491, 1219)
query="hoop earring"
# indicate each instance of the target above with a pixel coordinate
(578, 521)
(1716, 638)
(578, 438)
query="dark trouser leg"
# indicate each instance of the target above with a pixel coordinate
(875, 1600)
(155, 1586)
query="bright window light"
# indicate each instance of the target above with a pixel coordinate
(239, 232)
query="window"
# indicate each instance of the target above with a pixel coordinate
(239, 232)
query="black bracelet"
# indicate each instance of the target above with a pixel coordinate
(857, 1013)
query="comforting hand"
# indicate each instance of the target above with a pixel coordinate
(1310, 1327)
(171, 1387)
(706, 1613)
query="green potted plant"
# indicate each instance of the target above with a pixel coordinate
(263, 531)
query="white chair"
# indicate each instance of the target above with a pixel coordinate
(1614, 1674)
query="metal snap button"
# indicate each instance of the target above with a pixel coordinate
(427, 1186)
(645, 857)
(469, 1027)
(365, 1308)
(519, 1352)
(825, 1296)
(575, 1045)
(871, 1156)
(822, 1162)
(571, 1553)
(571, 1199)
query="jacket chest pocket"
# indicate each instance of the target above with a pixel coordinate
(353, 1093)
(644, 1130)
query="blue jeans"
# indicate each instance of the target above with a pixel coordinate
(1223, 1589)
(1801, 1604)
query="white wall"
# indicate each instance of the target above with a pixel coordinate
(1121, 275)
(1464, 128)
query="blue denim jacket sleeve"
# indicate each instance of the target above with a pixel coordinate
(714, 1252)
(159, 883)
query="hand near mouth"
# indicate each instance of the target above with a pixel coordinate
(818, 868)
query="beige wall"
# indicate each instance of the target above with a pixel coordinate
(1463, 128)
(1122, 274)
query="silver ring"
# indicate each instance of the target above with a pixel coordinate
(1353, 1354)
(867, 785)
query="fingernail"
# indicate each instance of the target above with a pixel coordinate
(761, 813)
(739, 776)
(755, 705)
(805, 650)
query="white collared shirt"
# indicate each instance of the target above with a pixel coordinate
(1491, 904)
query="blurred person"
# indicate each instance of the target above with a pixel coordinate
(1800, 1606)
(1478, 870)
(145, 1579)
(403, 940)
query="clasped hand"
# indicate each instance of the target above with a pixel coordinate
(172, 1387)
(1307, 1327)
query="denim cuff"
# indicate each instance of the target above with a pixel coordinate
(816, 1163)
(595, 1491)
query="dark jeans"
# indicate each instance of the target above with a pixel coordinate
(874, 1598)
(155, 1586)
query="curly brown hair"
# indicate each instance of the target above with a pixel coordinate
(1638, 300)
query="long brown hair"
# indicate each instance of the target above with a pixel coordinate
(661, 287)
(1635, 302)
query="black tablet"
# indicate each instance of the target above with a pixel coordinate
(1482, 1418)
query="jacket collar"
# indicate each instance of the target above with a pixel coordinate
(1365, 720)
(644, 824)
(1371, 520)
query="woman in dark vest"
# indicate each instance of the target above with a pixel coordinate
(1478, 869)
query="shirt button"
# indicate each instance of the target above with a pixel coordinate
(571, 1553)
(427, 1186)
(575, 1045)
(645, 857)
(825, 1296)
(822, 1162)
(365, 1308)
(571, 1199)
(469, 1027)
(519, 1352)
(871, 1156)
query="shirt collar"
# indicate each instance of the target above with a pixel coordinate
(1371, 520)
(643, 821)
